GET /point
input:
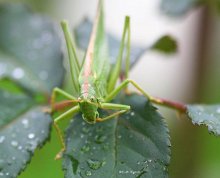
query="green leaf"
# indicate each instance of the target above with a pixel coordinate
(30, 66)
(13, 105)
(134, 145)
(29, 49)
(82, 35)
(165, 44)
(178, 7)
(19, 140)
(208, 115)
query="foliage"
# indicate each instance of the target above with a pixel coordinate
(30, 56)
(135, 144)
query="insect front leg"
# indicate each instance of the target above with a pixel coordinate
(61, 92)
(65, 115)
(122, 109)
(124, 85)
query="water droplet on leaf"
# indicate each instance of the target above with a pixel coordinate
(85, 129)
(2, 138)
(95, 164)
(25, 123)
(14, 143)
(18, 73)
(100, 138)
(218, 110)
(88, 173)
(31, 135)
(85, 148)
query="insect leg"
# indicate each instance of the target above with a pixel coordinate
(114, 74)
(122, 86)
(58, 130)
(73, 60)
(111, 116)
(61, 92)
(112, 106)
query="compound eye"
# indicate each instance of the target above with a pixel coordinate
(92, 99)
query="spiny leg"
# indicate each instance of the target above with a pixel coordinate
(113, 106)
(62, 93)
(71, 111)
(122, 86)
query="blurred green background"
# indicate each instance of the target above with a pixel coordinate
(195, 153)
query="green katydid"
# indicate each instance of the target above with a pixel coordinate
(94, 81)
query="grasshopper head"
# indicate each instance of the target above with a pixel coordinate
(89, 108)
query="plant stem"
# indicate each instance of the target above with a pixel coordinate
(171, 104)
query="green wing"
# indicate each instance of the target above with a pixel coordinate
(97, 53)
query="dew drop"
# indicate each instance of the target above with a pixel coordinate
(83, 123)
(42, 131)
(100, 138)
(18, 73)
(132, 113)
(119, 136)
(120, 172)
(2, 138)
(95, 164)
(218, 110)
(20, 147)
(31, 135)
(85, 148)
(1, 174)
(25, 123)
(88, 173)
(85, 129)
(14, 143)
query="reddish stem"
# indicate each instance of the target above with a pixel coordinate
(171, 104)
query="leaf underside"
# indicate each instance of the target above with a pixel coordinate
(178, 7)
(30, 57)
(208, 115)
(29, 49)
(134, 145)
